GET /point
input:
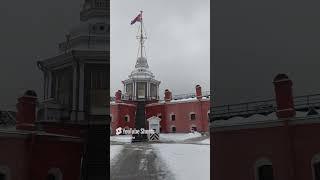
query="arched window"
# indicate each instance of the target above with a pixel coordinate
(263, 169)
(4, 173)
(54, 174)
(173, 129)
(193, 128)
(315, 165)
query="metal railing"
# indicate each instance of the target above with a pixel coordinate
(301, 103)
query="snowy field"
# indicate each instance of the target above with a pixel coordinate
(164, 137)
(121, 138)
(115, 150)
(178, 137)
(186, 161)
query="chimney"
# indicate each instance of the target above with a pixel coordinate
(198, 92)
(118, 96)
(26, 111)
(167, 96)
(284, 97)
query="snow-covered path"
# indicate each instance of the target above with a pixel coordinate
(186, 161)
(115, 150)
(176, 158)
(139, 161)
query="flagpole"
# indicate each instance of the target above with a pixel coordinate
(141, 35)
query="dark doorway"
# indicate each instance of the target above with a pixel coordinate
(265, 172)
(316, 168)
(2, 176)
(51, 177)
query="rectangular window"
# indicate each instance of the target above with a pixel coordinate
(141, 90)
(62, 86)
(173, 117)
(193, 116)
(153, 91)
(126, 119)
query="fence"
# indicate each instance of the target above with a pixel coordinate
(302, 103)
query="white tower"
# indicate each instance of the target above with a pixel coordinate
(141, 84)
(76, 81)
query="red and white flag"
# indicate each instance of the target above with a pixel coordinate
(138, 18)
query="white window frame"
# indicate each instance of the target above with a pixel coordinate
(261, 162)
(56, 172)
(315, 159)
(194, 115)
(6, 171)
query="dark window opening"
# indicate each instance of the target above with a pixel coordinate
(126, 119)
(173, 117)
(51, 177)
(173, 129)
(265, 172)
(193, 116)
(101, 28)
(160, 116)
(2, 176)
(316, 168)
(194, 128)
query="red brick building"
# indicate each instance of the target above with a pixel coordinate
(181, 115)
(266, 140)
(140, 100)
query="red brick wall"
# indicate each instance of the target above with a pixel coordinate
(154, 111)
(182, 112)
(237, 151)
(118, 112)
(49, 153)
(14, 154)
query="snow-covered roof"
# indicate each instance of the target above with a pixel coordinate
(259, 119)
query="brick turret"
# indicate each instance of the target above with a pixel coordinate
(284, 97)
(26, 107)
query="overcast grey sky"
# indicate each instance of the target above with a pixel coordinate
(255, 40)
(30, 29)
(178, 44)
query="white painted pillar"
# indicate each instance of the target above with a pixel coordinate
(74, 92)
(81, 92)
(49, 84)
(148, 90)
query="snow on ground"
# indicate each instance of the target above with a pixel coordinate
(121, 138)
(186, 161)
(114, 152)
(178, 137)
(206, 141)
